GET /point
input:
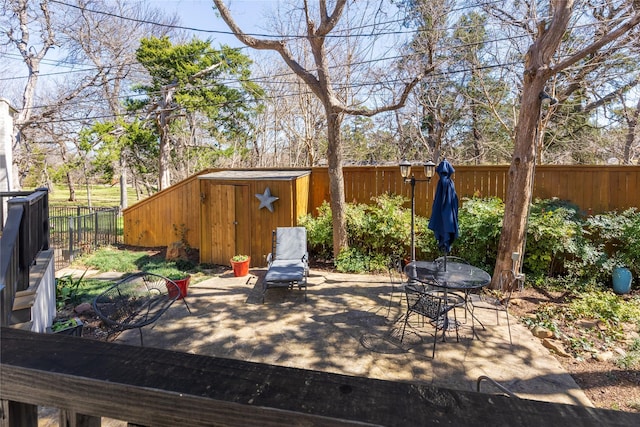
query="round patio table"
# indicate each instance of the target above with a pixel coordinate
(458, 276)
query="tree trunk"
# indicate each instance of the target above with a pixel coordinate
(521, 172)
(72, 188)
(164, 156)
(124, 199)
(336, 181)
(631, 134)
(537, 71)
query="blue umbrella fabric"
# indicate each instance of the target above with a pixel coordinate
(444, 213)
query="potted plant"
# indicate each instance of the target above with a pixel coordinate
(71, 326)
(177, 276)
(240, 265)
(181, 279)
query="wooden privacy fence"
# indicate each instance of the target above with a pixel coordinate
(595, 189)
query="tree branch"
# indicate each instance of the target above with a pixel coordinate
(403, 99)
(594, 47)
(611, 96)
(278, 46)
(328, 22)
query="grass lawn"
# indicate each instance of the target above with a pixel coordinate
(101, 195)
(113, 259)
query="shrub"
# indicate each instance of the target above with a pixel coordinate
(374, 232)
(479, 224)
(353, 260)
(319, 232)
(68, 289)
(612, 240)
(631, 239)
(561, 247)
(551, 237)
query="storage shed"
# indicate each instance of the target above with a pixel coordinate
(240, 208)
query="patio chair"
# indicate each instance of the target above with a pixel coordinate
(432, 307)
(395, 277)
(136, 301)
(288, 262)
(500, 299)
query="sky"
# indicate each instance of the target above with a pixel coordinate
(199, 14)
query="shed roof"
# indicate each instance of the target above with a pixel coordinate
(243, 175)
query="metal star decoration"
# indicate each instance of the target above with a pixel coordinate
(266, 199)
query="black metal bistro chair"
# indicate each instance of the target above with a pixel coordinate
(432, 307)
(136, 301)
(500, 299)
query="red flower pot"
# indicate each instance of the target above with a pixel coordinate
(183, 284)
(240, 268)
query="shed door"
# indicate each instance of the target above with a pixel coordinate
(230, 230)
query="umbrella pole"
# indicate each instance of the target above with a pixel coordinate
(413, 215)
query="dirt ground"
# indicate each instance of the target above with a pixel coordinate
(606, 385)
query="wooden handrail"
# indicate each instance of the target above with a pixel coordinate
(149, 386)
(24, 236)
(10, 272)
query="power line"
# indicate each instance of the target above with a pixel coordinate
(416, 31)
(268, 79)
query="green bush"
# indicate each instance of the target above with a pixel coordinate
(551, 237)
(319, 232)
(610, 240)
(479, 226)
(68, 289)
(352, 260)
(374, 233)
(562, 248)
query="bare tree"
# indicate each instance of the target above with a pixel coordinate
(320, 80)
(23, 19)
(92, 31)
(539, 67)
(292, 123)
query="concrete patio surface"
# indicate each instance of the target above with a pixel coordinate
(346, 327)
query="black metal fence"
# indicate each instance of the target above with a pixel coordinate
(80, 230)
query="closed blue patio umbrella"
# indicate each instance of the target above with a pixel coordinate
(444, 213)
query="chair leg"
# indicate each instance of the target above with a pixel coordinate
(186, 305)
(404, 326)
(393, 288)
(435, 338)
(445, 325)
(455, 320)
(508, 326)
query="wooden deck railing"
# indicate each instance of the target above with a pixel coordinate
(87, 379)
(25, 234)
